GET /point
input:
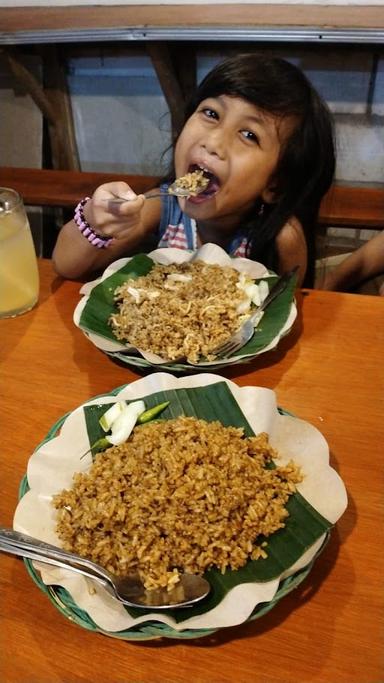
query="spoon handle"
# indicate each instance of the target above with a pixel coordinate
(22, 545)
(147, 195)
(152, 194)
(29, 554)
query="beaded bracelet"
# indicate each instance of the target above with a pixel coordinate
(97, 240)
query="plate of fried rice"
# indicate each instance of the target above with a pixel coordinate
(223, 483)
(173, 308)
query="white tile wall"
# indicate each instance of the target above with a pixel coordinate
(378, 95)
(20, 121)
(21, 134)
(360, 148)
(121, 119)
(111, 95)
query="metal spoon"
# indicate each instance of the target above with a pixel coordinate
(173, 189)
(128, 589)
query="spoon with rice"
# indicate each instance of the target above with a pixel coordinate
(189, 185)
(187, 589)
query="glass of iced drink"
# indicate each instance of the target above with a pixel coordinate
(19, 275)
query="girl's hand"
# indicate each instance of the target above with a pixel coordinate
(114, 219)
(128, 223)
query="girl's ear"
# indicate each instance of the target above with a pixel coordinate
(270, 195)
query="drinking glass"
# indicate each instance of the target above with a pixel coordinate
(19, 275)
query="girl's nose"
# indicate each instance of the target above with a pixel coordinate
(215, 143)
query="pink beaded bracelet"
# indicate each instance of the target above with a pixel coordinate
(97, 240)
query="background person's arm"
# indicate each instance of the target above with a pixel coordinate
(363, 264)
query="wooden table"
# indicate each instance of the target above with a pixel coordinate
(329, 371)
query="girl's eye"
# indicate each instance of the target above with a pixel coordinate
(249, 135)
(210, 113)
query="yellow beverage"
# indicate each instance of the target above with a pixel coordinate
(19, 277)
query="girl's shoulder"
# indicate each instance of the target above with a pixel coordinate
(291, 248)
(291, 234)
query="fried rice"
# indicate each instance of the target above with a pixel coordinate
(194, 182)
(180, 311)
(180, 495)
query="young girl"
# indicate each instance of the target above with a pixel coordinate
(264, 139)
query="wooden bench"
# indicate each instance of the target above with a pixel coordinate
(354, 206)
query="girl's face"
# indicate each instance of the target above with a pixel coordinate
(238, 147)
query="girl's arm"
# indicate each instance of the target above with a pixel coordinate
(292, 249)
(128, 223)
(364, 263)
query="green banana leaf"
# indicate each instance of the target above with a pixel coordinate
(303, 526)
(100, 305)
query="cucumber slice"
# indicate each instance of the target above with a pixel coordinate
(110, 416)
(125, 422)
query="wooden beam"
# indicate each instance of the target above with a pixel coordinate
(61, 130)
(185, 15)
(53, 100)
(166, 74)
(45, 187)
(353, 206)
(29, 82)
(185, 64)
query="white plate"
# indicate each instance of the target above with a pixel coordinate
(209, 253)
(52, 465)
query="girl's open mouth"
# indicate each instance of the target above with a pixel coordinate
(211, 189)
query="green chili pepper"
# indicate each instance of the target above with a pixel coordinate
(149, 414)
(153, 422)
(100, 445)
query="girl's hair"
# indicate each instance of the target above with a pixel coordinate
(307, 161)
